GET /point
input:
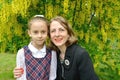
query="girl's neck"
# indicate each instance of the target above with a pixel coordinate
(37, 46)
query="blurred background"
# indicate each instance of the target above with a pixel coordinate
(96, 23)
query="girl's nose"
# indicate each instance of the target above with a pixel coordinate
(39, 35)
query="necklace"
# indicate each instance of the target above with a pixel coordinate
(61, 58)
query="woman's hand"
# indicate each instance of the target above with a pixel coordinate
(18, 72)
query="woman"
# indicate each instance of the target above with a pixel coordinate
(73, 62)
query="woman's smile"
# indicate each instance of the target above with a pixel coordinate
(58, 39)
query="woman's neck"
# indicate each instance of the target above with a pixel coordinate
(62, 52)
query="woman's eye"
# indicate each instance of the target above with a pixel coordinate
(61, 29)
(52, 31)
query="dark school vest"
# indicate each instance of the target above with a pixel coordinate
(37, 68)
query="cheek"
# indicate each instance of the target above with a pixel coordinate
(45, 36)
(29, 33)
(51, 37)
(52, 40)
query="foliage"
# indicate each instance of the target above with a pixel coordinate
(95, 22)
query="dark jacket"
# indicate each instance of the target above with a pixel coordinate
(77, 65)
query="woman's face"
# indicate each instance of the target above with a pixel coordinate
(58, 34)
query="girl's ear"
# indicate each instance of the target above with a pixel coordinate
(29, 33)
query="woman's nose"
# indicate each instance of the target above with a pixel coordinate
(57, 33)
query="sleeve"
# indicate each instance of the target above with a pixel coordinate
(85, 66)
(53, 66)
(20, 63)
(19, 58)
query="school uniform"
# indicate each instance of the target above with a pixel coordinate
(37, 64)
(77, 65)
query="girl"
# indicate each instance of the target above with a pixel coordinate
(36, 61)
(73, 62)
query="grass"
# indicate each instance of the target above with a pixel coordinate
(7, 64)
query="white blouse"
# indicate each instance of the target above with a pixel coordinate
(20, 60)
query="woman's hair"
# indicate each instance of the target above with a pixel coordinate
(72, 39)
(37, 18)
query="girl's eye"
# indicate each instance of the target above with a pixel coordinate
(35, 32)
(43, 32)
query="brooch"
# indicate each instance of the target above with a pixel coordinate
(67, 62)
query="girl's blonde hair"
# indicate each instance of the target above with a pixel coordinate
(72, 39)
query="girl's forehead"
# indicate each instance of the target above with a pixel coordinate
(38, 25)
(38, 21)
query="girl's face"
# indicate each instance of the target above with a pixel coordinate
(58, 34)
(38, 32)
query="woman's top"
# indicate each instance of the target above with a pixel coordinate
(77, 65)
(20, 60)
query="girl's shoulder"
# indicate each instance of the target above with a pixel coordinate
(20, 51)
(53, 51)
